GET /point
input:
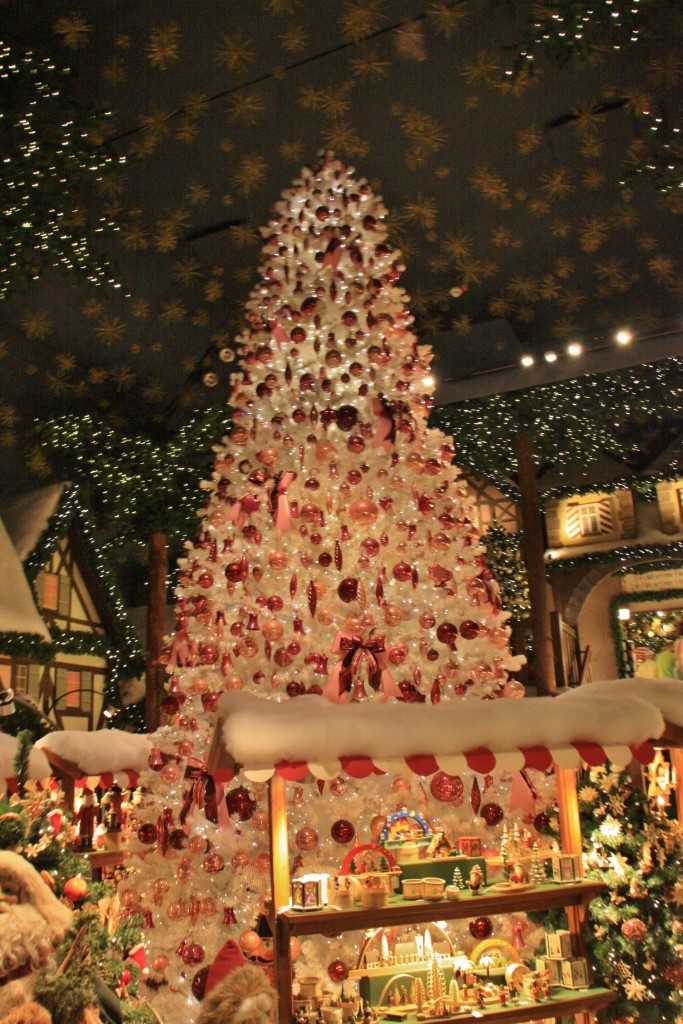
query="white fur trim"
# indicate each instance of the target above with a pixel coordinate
(253, 1008)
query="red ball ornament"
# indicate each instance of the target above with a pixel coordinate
(347, 417)
(446, 633)
(542, 822)
(193, 954)
(447, 788)
(177, 839)
(348, 590)
(240, 803)
(634, 930)
(481, 928)
(342, 831)
(492, 814)
(338, 971)
(169, 705)
(147, 834)
(469, 629)
(199, 983)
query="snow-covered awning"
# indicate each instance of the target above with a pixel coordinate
(603, 721)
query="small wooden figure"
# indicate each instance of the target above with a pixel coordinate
(476, 878)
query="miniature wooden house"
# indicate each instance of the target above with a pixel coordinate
(67, 666)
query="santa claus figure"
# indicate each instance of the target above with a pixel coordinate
(33, 923)
(236, 992)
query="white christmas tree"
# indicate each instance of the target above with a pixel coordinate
(336, 555)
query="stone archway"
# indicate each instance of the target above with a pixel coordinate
(587, 608)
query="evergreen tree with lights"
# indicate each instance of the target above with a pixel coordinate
(335, 556)
(632, 846)
(48, 167)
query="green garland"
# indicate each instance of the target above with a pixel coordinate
(619, 634)
(620, 554)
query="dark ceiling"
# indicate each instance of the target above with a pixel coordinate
(519, 195)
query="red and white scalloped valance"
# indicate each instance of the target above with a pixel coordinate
(126, 779)
(482, 761)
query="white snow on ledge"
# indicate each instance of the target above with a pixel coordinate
(105, 750)
(664, 694)
(259, 733)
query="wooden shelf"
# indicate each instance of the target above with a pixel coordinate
(563, 1003)
(400, 911)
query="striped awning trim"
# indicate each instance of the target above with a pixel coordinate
(481, 761)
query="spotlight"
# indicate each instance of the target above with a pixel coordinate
(624, 614)
(575, 348)
(527, 360)
(623, 337)
(550, 357)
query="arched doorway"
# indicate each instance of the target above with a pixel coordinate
(641, 586)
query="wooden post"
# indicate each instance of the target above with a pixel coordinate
(571, 841)
(157, 571)
(279, 880)
(533, 553)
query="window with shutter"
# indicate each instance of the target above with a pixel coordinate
(86, 691)
(64, 607)
(50, 591)
(20, 682)
(35, 673)
(73, 689)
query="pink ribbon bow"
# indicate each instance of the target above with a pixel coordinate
(385, 431)
(354, 650)
(242, 508)
(280, 505)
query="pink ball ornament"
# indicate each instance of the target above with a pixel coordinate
(376, 825)
(306, 838)
(176, 910)
(370, 547)
(513, 688)
(261, 863)
(364, 512)
(213, 863)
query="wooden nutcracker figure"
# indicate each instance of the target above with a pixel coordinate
(87, 819)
